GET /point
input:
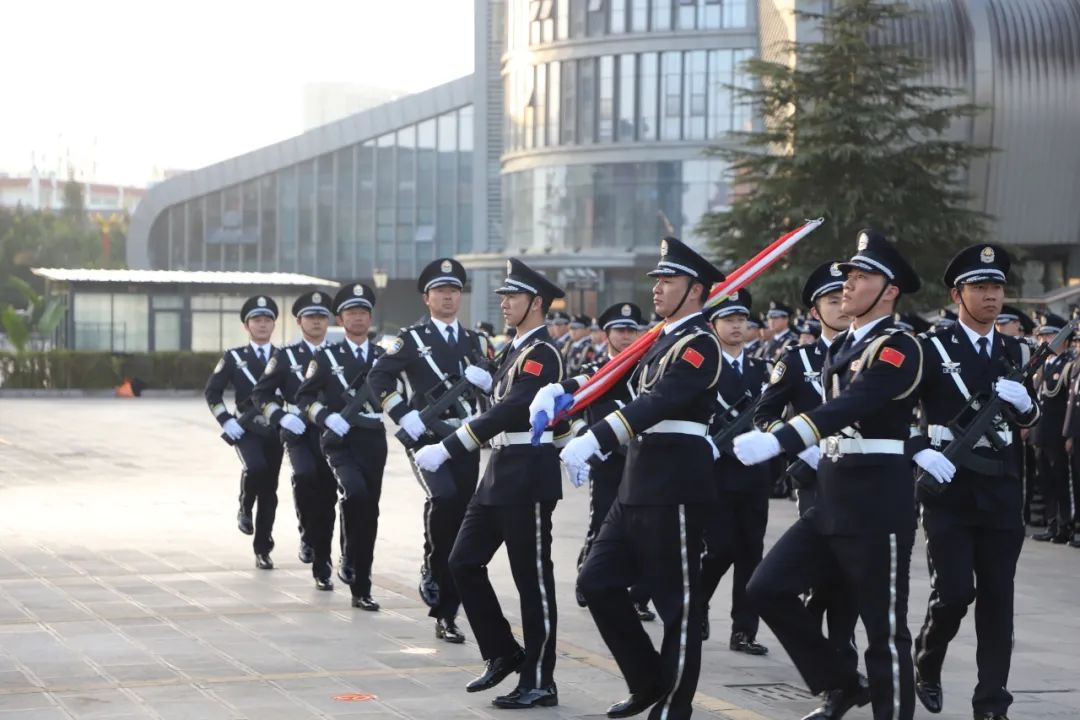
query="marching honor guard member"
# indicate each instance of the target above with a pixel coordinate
(622, 323)
(314, 487)
(253, 439)
(974, 525)
(653, 533)
(782, 336)
(558, 325)
(863, 520)
(513, 503)
(579, 350)
(431, 355)
(335, 399)
(1052, 382)
(735, 524)
(795, 386)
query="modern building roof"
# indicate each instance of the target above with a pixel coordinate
(199, 277)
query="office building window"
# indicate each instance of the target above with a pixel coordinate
(648, 73)
(553, 76)
(624, 126)
(587, 99)
(605, 131)
(694, 101)
(671, 96)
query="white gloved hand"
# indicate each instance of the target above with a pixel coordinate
(431, 457)
(715, 450)
(811, 456)
(544, 401)
(756, 447)
(412, 424)
(575, 456)
(933, 462)
(293, 424)
(479, 377)
(233, 429)
(1013, 393)
(337, 424)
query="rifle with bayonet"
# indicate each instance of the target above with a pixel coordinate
(253, 422)
(987, 411)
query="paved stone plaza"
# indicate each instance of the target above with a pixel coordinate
(127, 592)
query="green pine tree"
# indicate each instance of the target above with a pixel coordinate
(852, 132)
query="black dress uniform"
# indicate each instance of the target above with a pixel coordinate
(1052, 382)
(778, 344)
(313, 484)
(578, 353)
(426, 354)
(1071, 431)
(974, 529)
(653, 532)
(558, 317)
(735, 524)
(863, 520)
(513, 505)
(606, 475)
(796, 386)
(258, 449)
(333, 378)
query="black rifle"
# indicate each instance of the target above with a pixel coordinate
(802, 475)
(738, 418)
(253, 422)
(454, 391)
(362, 402)
(986, 412)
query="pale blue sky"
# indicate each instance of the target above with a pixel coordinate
(169, 84)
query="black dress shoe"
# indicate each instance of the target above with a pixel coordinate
(448, 630)
(428, 588)
(741, 642)
(345, 574)
(1075, 542)
(1061, 539)
(644, 614)
(1051, 535)
(244, 522)
(990, 716)
(930, 693)
(838, 702)
(580, 597)
(306, 555)
(636, 703)
(524, 698)
(323, 581)
(706, 630)
(364, 602)
(496, 670)
(263, 561)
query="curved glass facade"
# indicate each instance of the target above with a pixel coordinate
(395, 202)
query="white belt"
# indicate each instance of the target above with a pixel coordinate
(834, 447)
(680, 427)
(939, 435)
(519, 438)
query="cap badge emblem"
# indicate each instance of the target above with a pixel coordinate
(509, 268)
(358, 290)
(626, 311)
(834, 270)
(864, 241)
(446, 266)
(261, 302)
(316, 297)
(663, 248)
(987, 255)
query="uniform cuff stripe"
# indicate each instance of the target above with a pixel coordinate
(467, 439)
(219, 410)
(270, 409)
(620, 426)
(391, 401)
(808, 432)
(313, 411)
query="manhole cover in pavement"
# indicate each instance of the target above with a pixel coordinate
(774, 692)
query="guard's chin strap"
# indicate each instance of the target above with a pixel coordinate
(528, 307)
(684, 296)
(873, 305)
(821, 319)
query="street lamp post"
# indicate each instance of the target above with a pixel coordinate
(380, 277)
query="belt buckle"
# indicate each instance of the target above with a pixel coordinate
(832, 448)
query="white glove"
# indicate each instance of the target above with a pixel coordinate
(544, 401)
(293, 424)
(756, 447)
(337, 424)
(233, 429)
(575, 456)
(479, 377)
(1013, 393)
(715, 450)
(431, 457)
(936, 464)
(811, 456)
(412, 424)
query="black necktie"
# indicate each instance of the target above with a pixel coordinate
(984, 350)
(735, 365)
(262, 355)
(450, 339)
(360, 353)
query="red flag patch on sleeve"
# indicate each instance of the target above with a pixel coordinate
(693, 357)
(892, 356)
(532, 367)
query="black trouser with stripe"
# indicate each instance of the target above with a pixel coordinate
(658, 546)
(358, 462)
(526, 531)
(314, 495)
(970, 564)
(447, 493)
(875, 569)
(1054, 481)
(604, 479)
(261, 459)
(735, 535)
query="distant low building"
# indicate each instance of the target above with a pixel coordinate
(35, 192)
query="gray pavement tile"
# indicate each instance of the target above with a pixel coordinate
(98, 704)
(42, 713)
(25, 701)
